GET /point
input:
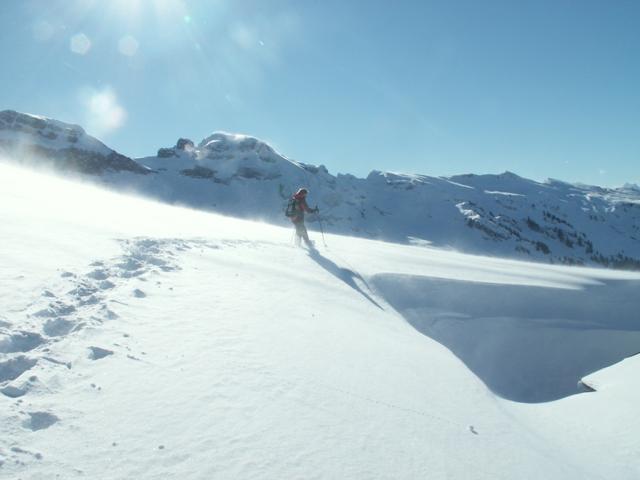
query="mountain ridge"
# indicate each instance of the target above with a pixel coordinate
(240, 175)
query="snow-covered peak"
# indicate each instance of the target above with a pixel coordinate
(219, 143)
(222, 157)
(46, 132)
(37, 139)
(243, 155)
(497, 214)
(395, 178)
(505, 181)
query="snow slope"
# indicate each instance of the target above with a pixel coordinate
(145, 341)
(502, 215)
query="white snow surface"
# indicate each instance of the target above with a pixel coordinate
(141, 340)
(231, 174)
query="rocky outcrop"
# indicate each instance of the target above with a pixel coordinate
(183, 145)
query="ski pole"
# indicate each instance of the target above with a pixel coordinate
(321, 229)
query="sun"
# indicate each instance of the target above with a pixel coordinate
(127, 11)
(144, 10)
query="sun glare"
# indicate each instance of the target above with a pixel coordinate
(103, 111)
(139, 10)
(80, 44)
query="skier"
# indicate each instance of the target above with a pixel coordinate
(295, 211)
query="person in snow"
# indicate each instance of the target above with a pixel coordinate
(296, 210)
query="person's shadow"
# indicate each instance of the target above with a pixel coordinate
(347, 276)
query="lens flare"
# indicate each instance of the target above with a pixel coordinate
(128, 46)
(80, 44)
(104, 113)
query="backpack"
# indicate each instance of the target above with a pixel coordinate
(292, 208)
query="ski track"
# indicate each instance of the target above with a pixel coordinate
(28, 343)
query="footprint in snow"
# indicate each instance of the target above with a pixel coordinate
(20, 341)
(96, 353)
(83, 289)
(16, 390)
(40, 420)
(12, 391)
(98, 274)
(56, 309)
(58, 327)
(106, 285)
(14, 367)
(143, 256)
(37, 456)
(130, 264)
(108, 314)
(92, 300)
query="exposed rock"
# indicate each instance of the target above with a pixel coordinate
(167, 153)
(184, 144)
(199, 172)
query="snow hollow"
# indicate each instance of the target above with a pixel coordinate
(141, 340)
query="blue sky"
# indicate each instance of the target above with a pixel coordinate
(543, 89)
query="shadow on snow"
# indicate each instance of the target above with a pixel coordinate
(347, 276)
(528, 344)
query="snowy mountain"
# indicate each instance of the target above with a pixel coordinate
(42, 141)
(501, 215)
(141, 340)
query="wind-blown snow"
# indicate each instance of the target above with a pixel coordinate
(139, 340)
(502, 215)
